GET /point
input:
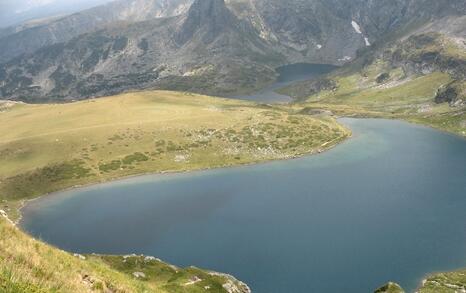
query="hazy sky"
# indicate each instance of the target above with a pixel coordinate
(15, 11)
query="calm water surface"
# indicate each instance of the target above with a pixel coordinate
(388, 204)
(288, 74)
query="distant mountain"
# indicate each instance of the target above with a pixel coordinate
(13, 13)
(208, 46)
(332, 31)
(23, 39)
(208, 41)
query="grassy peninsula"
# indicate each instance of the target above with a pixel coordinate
(45, 148)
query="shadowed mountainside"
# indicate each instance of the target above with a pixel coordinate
(212, 47)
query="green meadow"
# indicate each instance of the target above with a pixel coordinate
(45, 148)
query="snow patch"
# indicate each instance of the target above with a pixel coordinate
(358, 30)
(346, 58)
(356, 27)
(366, 40)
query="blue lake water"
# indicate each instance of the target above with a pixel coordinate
(388, 204)
(287, 75)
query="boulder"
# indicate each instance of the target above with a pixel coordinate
(453, 93)
(139, 275)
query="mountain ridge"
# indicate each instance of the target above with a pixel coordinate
(63, 29)
(214, 46)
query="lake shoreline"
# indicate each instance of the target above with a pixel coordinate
(240, 165)
(329, 145)
(168, 173)
(355, 132)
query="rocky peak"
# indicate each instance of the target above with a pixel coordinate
(208, 18)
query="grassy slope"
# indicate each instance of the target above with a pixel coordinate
(44, 148)
(452, 282)
(28, 266)
(410, 99)
(403, 95)
(54, 147)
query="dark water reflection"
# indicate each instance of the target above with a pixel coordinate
(287, 75)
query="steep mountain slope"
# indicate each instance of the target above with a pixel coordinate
(421, 77)
(89, 63)
(171, 52)
(29, 38)
(307, 27)
(326, 31)
(216, 47)
(303, 31)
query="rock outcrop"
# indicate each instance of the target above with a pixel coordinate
(390, 288)
(453, 93)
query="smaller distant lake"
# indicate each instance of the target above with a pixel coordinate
(288, 74)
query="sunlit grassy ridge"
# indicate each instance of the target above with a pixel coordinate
(452, 282)
(408, 98)
(399, 81)
(412, 99)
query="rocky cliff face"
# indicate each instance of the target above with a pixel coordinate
(206, 48)
(209, 46)
(453, 93)
(438, 46)
(332, 31)
(206, 20)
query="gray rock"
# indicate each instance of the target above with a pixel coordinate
(139, 275)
